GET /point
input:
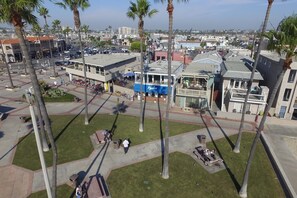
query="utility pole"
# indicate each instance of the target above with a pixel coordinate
(30, 100)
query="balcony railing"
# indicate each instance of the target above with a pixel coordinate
(239, 94)
(191, 92)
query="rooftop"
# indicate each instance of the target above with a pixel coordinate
(104, 60)
(161, 67)
(200, 68)
(212, 55)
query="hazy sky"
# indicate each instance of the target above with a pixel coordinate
(196, 14)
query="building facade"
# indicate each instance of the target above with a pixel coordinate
(285, 103)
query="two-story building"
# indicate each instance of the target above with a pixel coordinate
(196, 87)
(285, 103)
(155, 79)
(102, 68)
(235, 74)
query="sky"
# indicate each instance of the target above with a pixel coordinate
(196, 14)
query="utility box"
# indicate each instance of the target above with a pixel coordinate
(202, 139)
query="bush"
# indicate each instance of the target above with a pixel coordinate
(55, 93)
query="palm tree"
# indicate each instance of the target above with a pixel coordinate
(165, 172)
(7, 66)
(73, 5)
(66, 32)
(140, 9)
(36, 29)
(16, 12)
(56, 26)
(284, 42)
(85, 30)
(237, 144)
(44, 13)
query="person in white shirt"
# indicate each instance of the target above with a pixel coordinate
(126, 145)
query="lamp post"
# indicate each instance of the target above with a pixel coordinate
(6, 64)
(38, 142)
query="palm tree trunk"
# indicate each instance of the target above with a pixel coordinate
(44, 143)
(237, 144)
(7, 67)
(85, 78)
(141, 83)
(243, 190)
(165, 173)
(37, 92)
(50, 47)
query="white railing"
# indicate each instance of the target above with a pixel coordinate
(191, 92)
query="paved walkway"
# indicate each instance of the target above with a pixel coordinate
(19, 182)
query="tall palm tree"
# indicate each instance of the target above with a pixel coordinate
(16, 12)
(66, 32)
(56, 26)
(237, 144)
(36, 29)
(74, 5)
(140, 9)
(165, 172)
(85, 30)
(6, 64)
(44, 13)
(284, 42)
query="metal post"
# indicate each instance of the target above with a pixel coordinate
(39, 147)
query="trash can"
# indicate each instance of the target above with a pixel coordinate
(73, 179)
(202, 139)
(116, 144)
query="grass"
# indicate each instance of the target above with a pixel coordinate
(73, 137)
(188, 179)
(61, 192)
(65, 98)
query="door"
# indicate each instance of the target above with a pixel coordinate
(282, 111)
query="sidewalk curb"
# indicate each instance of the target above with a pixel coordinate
(288, 189)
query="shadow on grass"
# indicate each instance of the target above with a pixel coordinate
(14, 145)
(161, 132)
(99, 107)
(234, 180)
(68, 124)
(224, 133)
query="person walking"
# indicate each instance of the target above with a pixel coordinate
(78, 192)
(126, 145)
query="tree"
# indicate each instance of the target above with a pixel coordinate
(284, 42)
(56, 26)
(74, 5)
(36, 29)
(250, 82)
(165, 172)
(135, 46)
(16, 12)
(66, 32)
(44, 13)
(140, 9)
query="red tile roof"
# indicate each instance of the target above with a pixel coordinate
(31, 39)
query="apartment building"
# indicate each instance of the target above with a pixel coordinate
(235, 74)
(285, 103)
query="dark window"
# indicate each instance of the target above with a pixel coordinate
(287, 95)
(292, 76)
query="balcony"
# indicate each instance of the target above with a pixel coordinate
(93, 76)
(254, 97)
(192, 92)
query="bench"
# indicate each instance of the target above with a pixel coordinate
(95, 187)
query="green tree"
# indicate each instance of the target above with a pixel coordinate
(16, 12)
(140, 9)
(165, 172)
(284, 42)
(44, 13)
(85, 29)
(66, 32)
(74, 5)
(135, 46)
(56, 26)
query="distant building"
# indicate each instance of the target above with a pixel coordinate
(285, 103)
(127, 31)
(183, 57)
(38, 47)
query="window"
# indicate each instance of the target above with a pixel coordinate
(292, 76)
(287, 95)
(97, 70)
(236, 84)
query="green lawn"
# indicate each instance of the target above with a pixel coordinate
(66, 98)
(63, 191)
(73, 137)
(188, 179)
